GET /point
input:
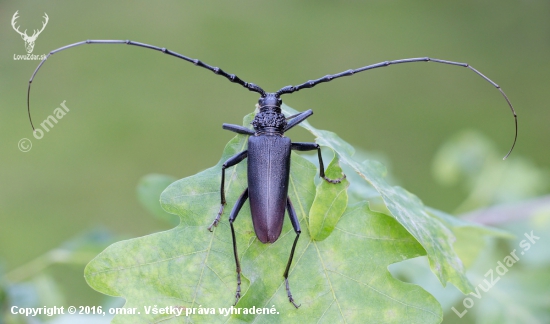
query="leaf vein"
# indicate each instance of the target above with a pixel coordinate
(381, 293)
(147, 263)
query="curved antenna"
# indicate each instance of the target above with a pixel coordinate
(330, 77)
(216, 70)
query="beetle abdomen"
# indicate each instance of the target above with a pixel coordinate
(268, 174)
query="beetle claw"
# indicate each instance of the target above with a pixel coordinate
(335, 180)
(289, 294)
(293, 303)
(237, 297)
(217, 219)
(238, 292)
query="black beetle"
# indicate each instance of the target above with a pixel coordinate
(268, 174)
(268, 150)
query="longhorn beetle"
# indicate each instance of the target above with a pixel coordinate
(268, 150)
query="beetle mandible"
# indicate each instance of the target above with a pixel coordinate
(269, 150)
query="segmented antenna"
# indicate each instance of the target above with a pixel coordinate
(330, 77)
(216, 70)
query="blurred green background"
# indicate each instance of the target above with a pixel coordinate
(134, 111)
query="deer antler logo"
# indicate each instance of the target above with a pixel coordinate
(29, 40)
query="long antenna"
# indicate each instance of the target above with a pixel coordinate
(330, 77)
(216, 70)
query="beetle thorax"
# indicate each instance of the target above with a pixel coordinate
(269, 120)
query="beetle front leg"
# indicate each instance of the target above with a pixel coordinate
(232, 216)
(296, 225)
(238, 129)
(298, 118)
(235, 159)
(311, 147)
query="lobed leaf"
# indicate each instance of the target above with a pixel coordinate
(342, 279)
(407, 209)
(329, 204)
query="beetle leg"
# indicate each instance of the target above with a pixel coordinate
(292, 116)
(298, 119)
(296, 224)
(235, 159)
(232, 216)
(311, 147)
(238, 129)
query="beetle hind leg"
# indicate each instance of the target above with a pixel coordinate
(296, 225)
(234, 213)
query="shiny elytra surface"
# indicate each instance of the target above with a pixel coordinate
(268, 173)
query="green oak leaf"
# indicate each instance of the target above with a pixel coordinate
(471, 238)
(342, 279)
(329, 204)
(473, 242)
(407, 209)
(520, 291)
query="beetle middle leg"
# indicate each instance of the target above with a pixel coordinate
(311, 147)
(234, 160)
(296, 225)
(232, 216)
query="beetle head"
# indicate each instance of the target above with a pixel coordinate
(271, 100)
(269, 119)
